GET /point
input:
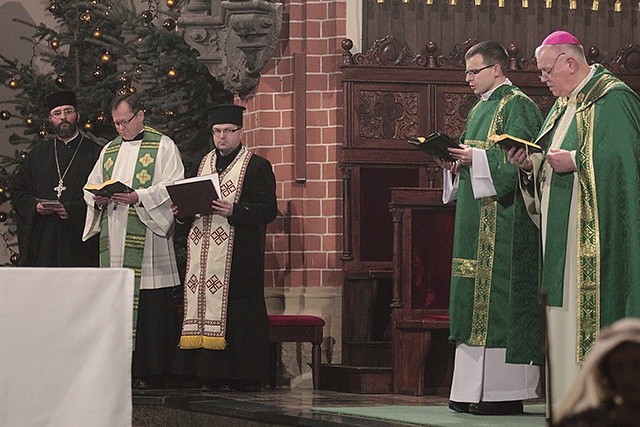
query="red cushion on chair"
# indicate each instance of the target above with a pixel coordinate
(295, 319)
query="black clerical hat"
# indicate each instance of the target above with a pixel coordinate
(227, 113)
(63, 97)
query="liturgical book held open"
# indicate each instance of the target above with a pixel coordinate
(194, 195)
(436, 145)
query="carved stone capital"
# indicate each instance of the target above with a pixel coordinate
(235, 38)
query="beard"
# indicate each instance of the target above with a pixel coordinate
(66, 129)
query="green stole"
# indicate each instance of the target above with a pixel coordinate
(488, 231)
(136, 230)
(580, 137)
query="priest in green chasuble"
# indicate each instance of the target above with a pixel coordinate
(494, 279)
(585, 193)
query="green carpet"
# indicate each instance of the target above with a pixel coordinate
(441, 416)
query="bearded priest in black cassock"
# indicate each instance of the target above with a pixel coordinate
(47, 195)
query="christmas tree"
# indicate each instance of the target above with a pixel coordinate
(101, 48)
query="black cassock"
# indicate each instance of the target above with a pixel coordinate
(246, 356)
(48, 240)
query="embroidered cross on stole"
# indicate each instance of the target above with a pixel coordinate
(209, 254)
(136, 230)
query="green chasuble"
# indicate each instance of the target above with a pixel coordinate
(494, 277)
(605, 134)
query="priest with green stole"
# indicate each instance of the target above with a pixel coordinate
(585, 193)
(136, 231)
(47, 194)
(225, 330)
(494, 275)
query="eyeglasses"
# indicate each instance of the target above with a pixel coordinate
(60, 113)
(544, 73)
(226, 132)
(477, 70)
(125, 123)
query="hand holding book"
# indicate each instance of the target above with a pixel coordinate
(436, 144)
(108, 188)
(195, 195)
(507, 141)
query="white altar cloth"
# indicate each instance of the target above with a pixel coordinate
(65, 346)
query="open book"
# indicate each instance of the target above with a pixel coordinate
(436, 144)
(507, 141)
(194, 195)
(108, 188)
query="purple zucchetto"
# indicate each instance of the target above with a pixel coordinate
(560, 37)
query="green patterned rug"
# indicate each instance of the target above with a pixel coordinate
(441, 416)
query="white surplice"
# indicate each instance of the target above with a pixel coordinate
(159, 268)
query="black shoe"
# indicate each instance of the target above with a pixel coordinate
(510, 407)
(459, 406)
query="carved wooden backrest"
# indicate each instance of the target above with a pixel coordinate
(390, 94)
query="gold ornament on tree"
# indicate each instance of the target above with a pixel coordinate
(169, 114)
(54, 7)
(171, 4)
(60, 80)
(29, 121)
(146, 16)
(132, 89)
(98, 73)
(54, 44)
(102, 118)
(5, 115)
(122, 91)
(169, 24)
(96, 33)
(13, 83)
(106, 57)
(172, 74)
(42, 132)
(24, 154)
(86, 17)
(123, 79)
(88, 125)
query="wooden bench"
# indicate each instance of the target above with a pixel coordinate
(295, 328)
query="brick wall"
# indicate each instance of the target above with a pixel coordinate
(294, 119)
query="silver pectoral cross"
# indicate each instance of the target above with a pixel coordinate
(59, 188)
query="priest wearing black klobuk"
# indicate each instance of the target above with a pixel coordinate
(225, 330)
(50, 233)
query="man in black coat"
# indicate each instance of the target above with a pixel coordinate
(224, 333)
(47, 194)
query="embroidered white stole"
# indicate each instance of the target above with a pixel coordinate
(209, 254)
